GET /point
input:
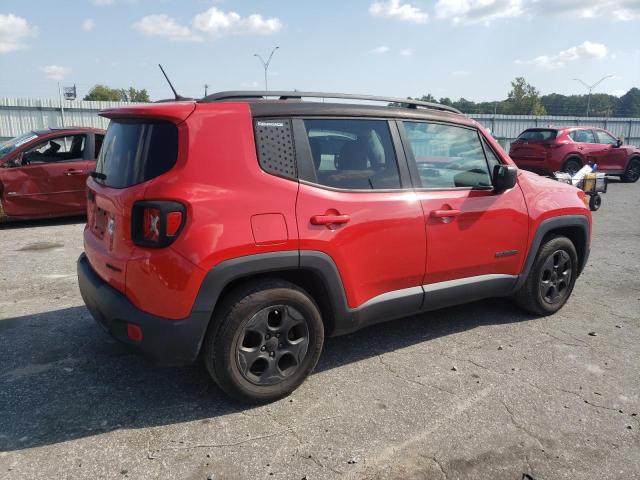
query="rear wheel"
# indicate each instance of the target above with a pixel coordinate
(594, 202)
(632, 173)
(266, 340)
(551, 278)
(571, 166)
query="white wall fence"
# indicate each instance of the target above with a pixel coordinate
(19, 115)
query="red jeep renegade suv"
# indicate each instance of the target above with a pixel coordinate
(246, 227)
(549, 150)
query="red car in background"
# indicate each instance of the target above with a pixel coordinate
(43, 173)
(548, 150)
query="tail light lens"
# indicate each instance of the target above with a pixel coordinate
(157, 223)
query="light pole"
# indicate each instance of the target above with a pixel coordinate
(265, 65)
(591, 87)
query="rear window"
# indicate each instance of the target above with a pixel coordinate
(134, 151)
(538, 135)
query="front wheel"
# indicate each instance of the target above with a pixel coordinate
(551, 279)
(266, 339)
(595, 201)
(632, 173)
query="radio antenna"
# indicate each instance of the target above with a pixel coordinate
(178, 97)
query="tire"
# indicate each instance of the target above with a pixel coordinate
(594, 202)
(265, 340)
(632, 173)
(536, 295)
(571, 166)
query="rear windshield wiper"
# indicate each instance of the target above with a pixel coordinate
(97, 175)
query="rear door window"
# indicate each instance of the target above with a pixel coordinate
(134, 151)
(447, 156)
(353, 154)
(582, 136)
(538, 135)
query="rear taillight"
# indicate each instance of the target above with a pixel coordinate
(156, 223)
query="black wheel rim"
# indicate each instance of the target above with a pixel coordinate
(272, 345)
(555, 278)
(572, 167)
(633, 173)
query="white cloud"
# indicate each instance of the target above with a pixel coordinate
(212, 23)
(380, 50)
(165, 26)
(102, 3)
(617, 10)
(55, 72)
(88, 24)
(406, 52)
(585, 51)
(478, 11)
(460, 73)
(399, 11)
(13, 31)
(215, 22)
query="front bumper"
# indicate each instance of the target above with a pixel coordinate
(165, 341)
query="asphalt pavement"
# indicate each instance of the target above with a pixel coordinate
(480, 391)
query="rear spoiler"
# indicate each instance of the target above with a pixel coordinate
(175, 111)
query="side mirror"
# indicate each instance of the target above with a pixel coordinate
(504, 177)
(619, 142)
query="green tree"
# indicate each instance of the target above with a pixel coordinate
(105, 94)
(524, 99)
(629, 104)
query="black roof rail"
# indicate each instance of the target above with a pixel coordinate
(295, 95)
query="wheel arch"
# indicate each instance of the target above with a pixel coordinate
(314, 272)
(574, 227)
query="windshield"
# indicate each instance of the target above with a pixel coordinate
(10, 145)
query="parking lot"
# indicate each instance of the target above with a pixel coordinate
(480, 391)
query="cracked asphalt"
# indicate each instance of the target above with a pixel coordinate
(479, 391)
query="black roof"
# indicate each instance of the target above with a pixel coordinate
(47, 131)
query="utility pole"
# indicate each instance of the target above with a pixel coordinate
(591, 87)
(61, 103)
(206, 87)
(265, 65)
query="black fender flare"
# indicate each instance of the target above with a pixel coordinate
(548, 225)
(316, 262)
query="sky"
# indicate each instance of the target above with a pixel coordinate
(449, 48)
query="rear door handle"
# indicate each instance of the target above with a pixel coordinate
(73, 171)
(445, 213)
(329, 219)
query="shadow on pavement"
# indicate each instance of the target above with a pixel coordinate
(62, 377)
(47, 222)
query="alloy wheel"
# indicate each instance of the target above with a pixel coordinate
(556, 277)
(272, 345)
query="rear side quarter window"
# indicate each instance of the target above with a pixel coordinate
(275, 147)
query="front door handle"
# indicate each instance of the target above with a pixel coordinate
(329, 219)
(445, 213)
(73, 171)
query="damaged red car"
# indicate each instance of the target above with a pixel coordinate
(43, 173)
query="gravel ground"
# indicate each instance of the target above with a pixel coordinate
(480, 391)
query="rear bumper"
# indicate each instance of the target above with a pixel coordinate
(165, 341)
(531, 164)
